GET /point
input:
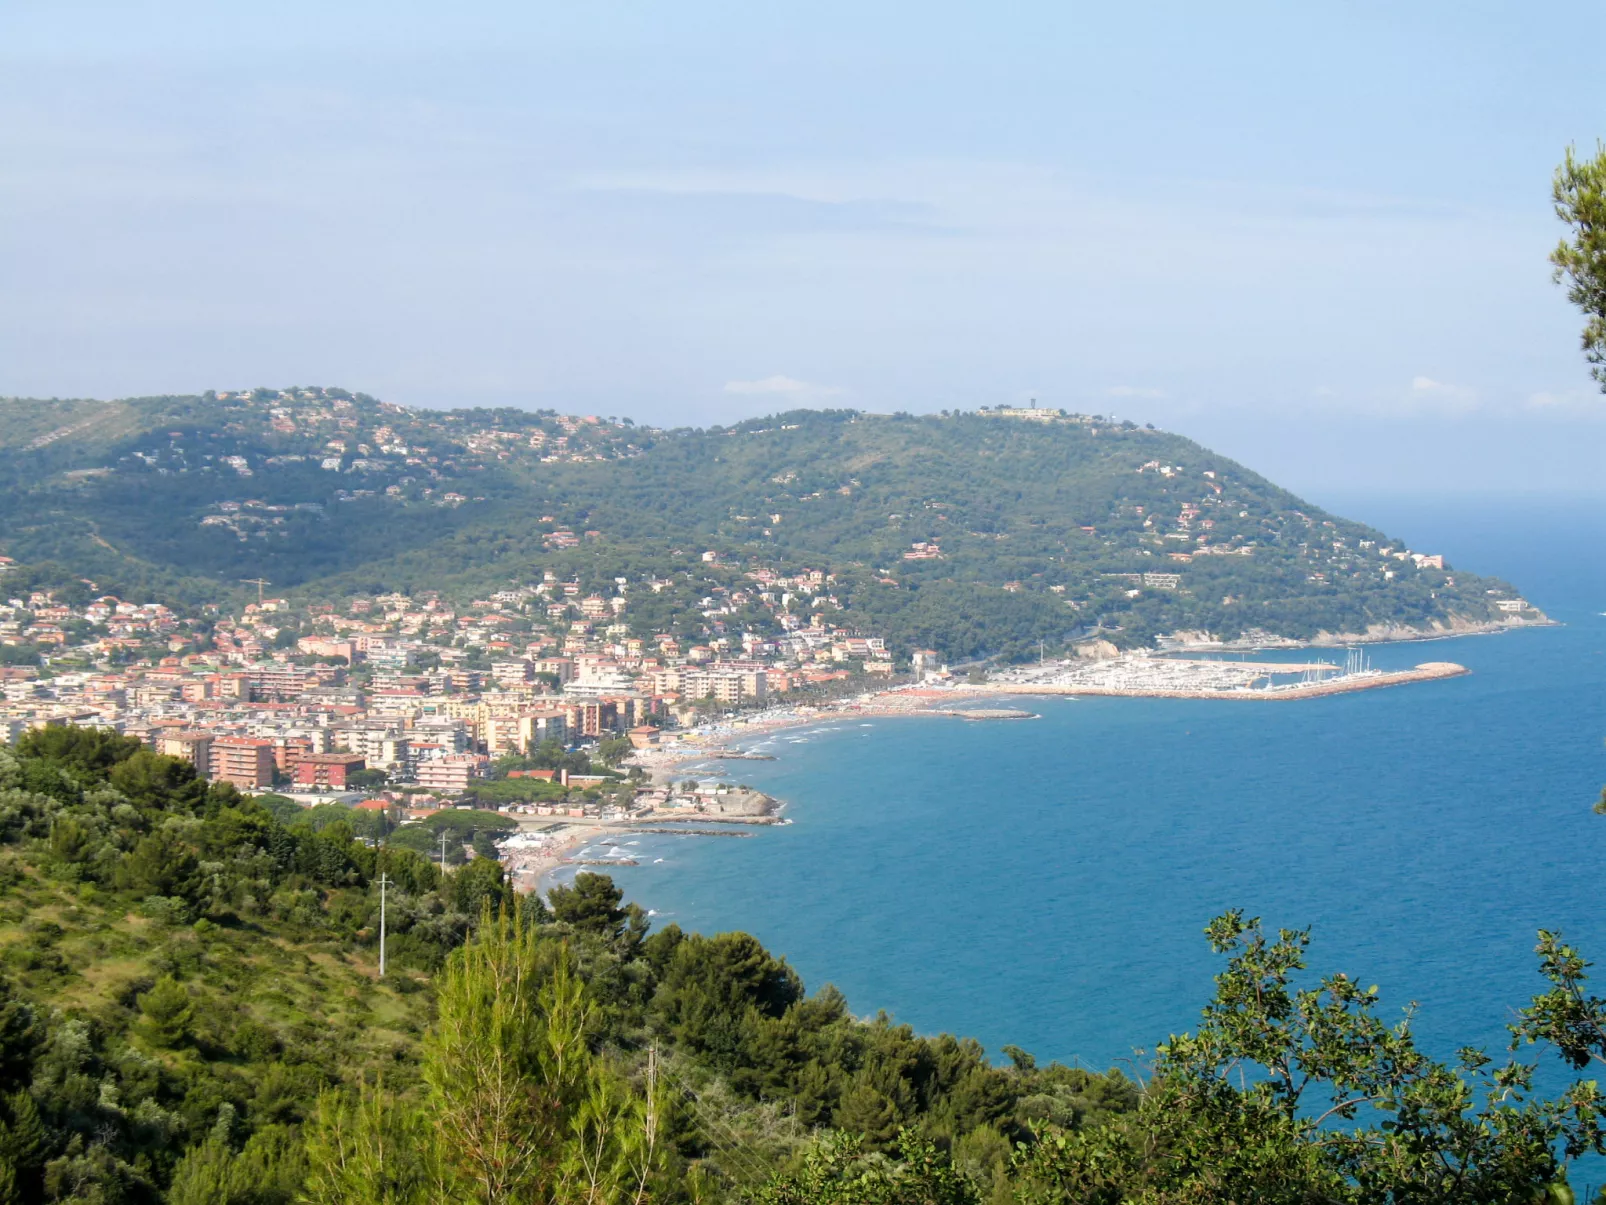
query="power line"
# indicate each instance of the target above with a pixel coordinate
(734, 1147)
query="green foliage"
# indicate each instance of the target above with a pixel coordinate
(591, 905)
(90, 750)
(1030, 518)
(268, 1170)
(837, 1171)
(362, 1149)
(188, 972)
(167, 1012)
(1250, 1107)
(191, 1013)
(614, 750)
(518, 1107)
(1580, 259)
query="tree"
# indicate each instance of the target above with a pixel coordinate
(869, 1115)
(363, 1148)
(161, 864)
(1567, 1016)
(152, 780)
(1580, 260)
(92, 749)
(614, 750)
(521, 1108)
(477, 886)
(837, 1171)
(167, 1011)
(268, 1171)
(1250, 1107)
(591, 905)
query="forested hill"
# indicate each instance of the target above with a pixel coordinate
(191, 1012)
(971, 533)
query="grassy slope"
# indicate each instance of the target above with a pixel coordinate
(73, 948)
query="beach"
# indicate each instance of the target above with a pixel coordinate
(555, 844)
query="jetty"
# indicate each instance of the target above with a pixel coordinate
(985, 713)
(688, 832)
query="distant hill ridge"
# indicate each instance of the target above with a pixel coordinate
(971, 533)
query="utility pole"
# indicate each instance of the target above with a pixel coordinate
(652, 1093)
(384, 881)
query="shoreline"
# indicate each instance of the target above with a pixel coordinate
(716, 741)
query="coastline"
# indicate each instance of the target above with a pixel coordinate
(719, 740)
(922, 698)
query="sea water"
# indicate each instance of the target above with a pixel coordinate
(1045, 882)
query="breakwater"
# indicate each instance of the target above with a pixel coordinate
(689, 832)
(984, 713)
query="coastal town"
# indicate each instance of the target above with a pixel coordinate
(408, 706)
(537, 703)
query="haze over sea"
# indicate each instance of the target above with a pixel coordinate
(1044, 883)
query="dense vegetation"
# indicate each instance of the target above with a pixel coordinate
(190, 1012)
(1030, 525)
(185, 972)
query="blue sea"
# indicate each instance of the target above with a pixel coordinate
(1045, 882)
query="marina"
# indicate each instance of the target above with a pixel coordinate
(1199, 678)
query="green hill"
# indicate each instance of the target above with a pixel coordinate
(184, 971)
(190, 1012)
(975, 533)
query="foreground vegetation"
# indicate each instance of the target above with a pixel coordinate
(191, 1011)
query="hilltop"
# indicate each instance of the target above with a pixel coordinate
(972, 533)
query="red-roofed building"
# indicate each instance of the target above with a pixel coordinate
(328, 770)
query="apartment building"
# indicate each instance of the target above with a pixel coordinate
(194, 747)
(451, 774)
(327, 771)
(246, 761)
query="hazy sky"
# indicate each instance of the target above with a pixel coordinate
(1313, 235)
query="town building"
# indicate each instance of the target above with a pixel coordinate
(245, 761)
(327, 771)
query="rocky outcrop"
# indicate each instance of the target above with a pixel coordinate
(743, 801)
(1377, 633)
(1097, 650)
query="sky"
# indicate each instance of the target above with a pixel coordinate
(1312, 236)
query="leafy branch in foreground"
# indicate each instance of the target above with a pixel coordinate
(1580, 195)
(1299, 1093)
(1567, 1017)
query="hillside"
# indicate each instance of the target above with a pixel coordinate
(183, 971)
(976, 533)
(190, 1012)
